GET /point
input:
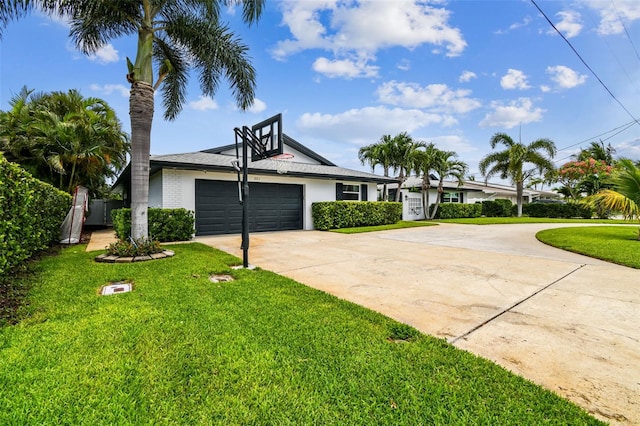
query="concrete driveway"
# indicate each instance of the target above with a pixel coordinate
(564, 321)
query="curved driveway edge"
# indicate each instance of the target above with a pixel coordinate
(562, 320)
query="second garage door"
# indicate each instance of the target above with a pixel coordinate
(272, 207)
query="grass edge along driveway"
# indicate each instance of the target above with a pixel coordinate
(262, 349)
(615, 244)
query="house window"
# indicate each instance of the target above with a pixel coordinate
(351, 192)
(451, 197)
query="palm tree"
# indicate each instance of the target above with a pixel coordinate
(64, 139)
(84, 137)
(378, 154)
(447, 166)
(404, 155)
(624, 197)
(598, 151)
(15, 127)
(175, 36)
(510, 163)
(425, 165)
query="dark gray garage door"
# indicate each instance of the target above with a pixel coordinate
(272, 207)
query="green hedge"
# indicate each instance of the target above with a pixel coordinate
(457, 210)
(31, 213)
(497, 208)
(557, 210)
(165, 225)
(349, 214)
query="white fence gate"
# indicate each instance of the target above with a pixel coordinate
(412, 206)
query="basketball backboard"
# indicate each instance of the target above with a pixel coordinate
(267, 138)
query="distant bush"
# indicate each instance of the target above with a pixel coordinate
(31, 212)
(497, 208)
(349, 214)
(457, 210)
(553, 210)
(164, 224)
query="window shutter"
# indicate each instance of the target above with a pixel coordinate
(461, 195)
(364, 192)
(339, 196)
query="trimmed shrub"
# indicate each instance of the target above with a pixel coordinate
(349, 214)
(127, 248)
(164, 224)
(31, 212)
(553, 210)
(497, 208)
(457, 210)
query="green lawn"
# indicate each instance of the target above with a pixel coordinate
(515, 220)
(398, 225)
(262, 349)
(617, 244)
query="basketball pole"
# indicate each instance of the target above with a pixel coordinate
(245, 199)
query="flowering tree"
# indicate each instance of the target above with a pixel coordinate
(583, 177)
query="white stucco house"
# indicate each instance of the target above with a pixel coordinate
(469, 192)
(206, 183)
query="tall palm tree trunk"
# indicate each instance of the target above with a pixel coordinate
(400, 182)
(519, 191)
(426, 187)
(141, 113)
(438, 197)
(385, 191)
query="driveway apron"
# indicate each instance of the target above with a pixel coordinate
(562, 320)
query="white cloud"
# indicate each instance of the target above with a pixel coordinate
(565, 77)
(344, 68)
(514, 79)
(569, 25)
(365, 125)
(105, 55)
(520, 111)
(612, 15)
(453, 143)
(526, 21)
(467, 76)
(629, 149)
(404, 65)
(108, 89)
(258, 106)
(437, 97)
(544, 88)
(204, 103)
(365, 27)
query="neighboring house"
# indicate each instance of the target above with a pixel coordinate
(469, 192)
(206, 183)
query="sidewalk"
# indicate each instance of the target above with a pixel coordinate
(100, 239)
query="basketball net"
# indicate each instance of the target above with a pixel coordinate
(282, 162)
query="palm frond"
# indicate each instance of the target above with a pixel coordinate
(501, 138)
(95, 22)
(608, 199)
(174, 83)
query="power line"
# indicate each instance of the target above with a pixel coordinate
(625, 30)
(585, 63)
(626, 126)
(611, 50)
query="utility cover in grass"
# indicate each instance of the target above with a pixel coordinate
(220, 278)
(116, 288)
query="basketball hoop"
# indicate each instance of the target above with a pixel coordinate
(282, 162)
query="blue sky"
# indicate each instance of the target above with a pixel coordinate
(344, 73)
